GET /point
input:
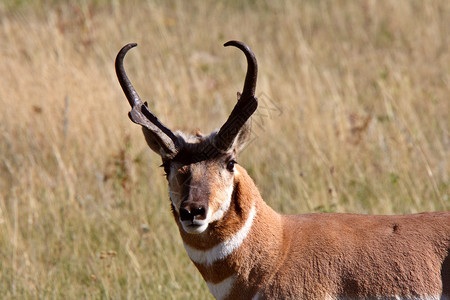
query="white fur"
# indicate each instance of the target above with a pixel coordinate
(223, 208)
(222, 289)
(201, 226)
(225, 204)
(174, 197)
(225, 248)
(256, 297)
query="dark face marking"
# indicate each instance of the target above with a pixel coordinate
(200, 192)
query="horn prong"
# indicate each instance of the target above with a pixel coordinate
(140, 114)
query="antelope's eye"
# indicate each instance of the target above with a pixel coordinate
(166, 167)
(230, 165)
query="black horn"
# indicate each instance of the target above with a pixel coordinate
(164, 138)
(247, 102)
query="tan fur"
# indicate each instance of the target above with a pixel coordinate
(317, 256)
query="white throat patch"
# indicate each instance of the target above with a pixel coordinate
(226, 247)
(222, 289)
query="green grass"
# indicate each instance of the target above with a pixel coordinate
(353, 118)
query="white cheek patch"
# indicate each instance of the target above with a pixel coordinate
(218, 214)
(175, 197)
(174, 200)
(226, 247)
(222, 289)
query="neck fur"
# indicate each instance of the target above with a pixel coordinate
(223, 253)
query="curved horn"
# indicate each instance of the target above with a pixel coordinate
(247, 102)
(164, 138)
(252, 67)
(125, 83)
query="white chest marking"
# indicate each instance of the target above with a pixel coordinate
(225, 248)
(256, 297)
(222, 289)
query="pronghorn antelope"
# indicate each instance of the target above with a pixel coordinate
(245, 250)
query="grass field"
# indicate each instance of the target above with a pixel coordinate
(353, 117)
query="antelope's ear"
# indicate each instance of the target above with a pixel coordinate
(155, 143)
(243, 136)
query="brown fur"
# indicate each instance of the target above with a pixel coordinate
(343, 256)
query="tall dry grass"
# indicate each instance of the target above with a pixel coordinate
(353, 117)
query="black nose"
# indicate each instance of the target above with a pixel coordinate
(189, 213)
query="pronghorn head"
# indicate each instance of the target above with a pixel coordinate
(200, 169)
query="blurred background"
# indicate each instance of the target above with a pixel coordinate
(353, 117)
